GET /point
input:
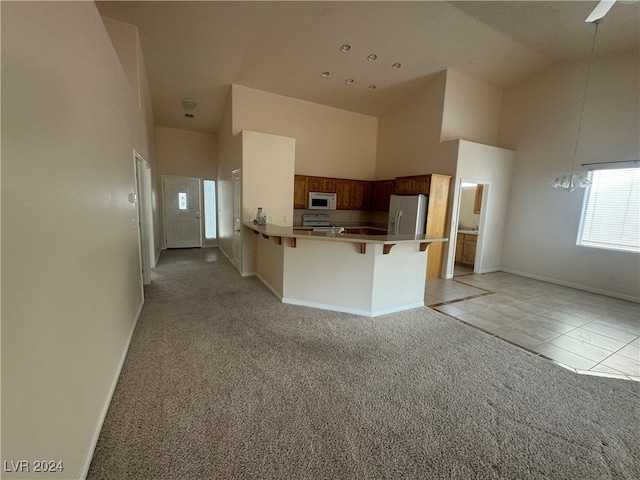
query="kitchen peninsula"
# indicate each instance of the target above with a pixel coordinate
(367, 275)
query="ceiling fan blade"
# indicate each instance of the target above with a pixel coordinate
(600, 11)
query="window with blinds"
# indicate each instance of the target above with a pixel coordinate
(611, 210)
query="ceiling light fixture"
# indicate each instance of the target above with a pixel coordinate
(372, 87)
(572, 180)
(349, 81)
(325, 74)
(345, 47)
(396, 66)
(189, 104)
(372, 57)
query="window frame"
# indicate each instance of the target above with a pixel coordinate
(585, 200)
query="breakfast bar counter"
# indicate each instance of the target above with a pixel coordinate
(362, 274)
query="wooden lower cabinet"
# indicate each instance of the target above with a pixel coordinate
(466, 248)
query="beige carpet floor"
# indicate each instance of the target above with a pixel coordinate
(222, 381)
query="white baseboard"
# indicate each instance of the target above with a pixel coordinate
(247, 274)
(326, 306)
(105, 409)
(491, 270)
(223, 252)
(386, 311)
(354, 311)
(269, 287)
(577, 286)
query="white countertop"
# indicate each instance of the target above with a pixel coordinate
(300, 232)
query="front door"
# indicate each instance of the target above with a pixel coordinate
(182, 200)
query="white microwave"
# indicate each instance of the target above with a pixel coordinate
(322, 201)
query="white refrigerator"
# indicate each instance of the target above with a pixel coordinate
(407, 215)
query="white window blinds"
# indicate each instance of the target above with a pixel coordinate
(611, 210)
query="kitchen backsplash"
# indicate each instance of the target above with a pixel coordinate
(347, 217)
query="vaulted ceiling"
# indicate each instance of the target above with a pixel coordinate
(198, 49)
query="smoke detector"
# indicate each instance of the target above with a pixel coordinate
(189, 104)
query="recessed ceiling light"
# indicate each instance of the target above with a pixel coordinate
(372, 57)
(372, 87)
(396, 66)
(349, 81)
(345, 47)
(325, 74)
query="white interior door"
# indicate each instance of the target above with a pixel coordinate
(145, 217)
(237, 224)
(182, 201)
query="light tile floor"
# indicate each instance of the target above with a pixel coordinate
(582, 331)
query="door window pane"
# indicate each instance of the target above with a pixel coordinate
(209, 209)
(182, 201)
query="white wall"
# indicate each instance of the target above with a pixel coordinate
(69, 239)
(229, 159)
(188, 154)
(540, 121)
(329, 142)
(409, 135)
(268, 163)
(471, 110)
(126, 42)
(493, 167)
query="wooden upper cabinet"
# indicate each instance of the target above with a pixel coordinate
(413, 185)
(343, 189)
(329, 185)
(360, 195)
(477, 204)
(352, 194)
(421, 184)
(300, 191)
(381, 195)
(403, 186)
(322, 184)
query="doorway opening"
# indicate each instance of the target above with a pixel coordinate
(469, 232)
(145, 216)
